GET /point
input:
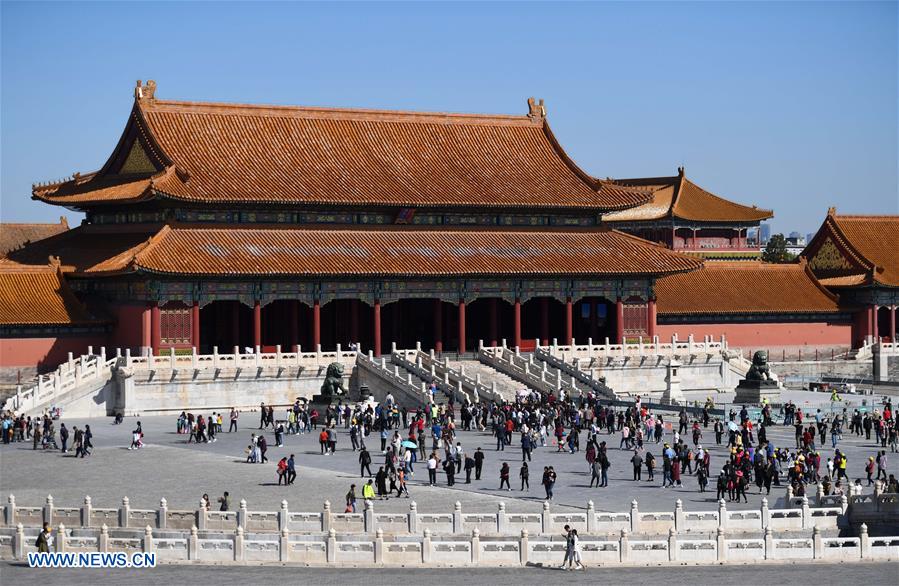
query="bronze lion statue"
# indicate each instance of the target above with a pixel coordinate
(759, 369)
(333, 385)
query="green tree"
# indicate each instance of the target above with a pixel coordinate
(776, 250)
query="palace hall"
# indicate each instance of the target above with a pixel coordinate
(239, 226)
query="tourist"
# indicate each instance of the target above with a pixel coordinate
(524, 473)
(279, 434)
(433, 461)
(504, 476)
(86, 441)
(351, 500)
(364, 463)
(368, 491)
(637, 461)
(263, 448)
(478, 463)
(323, 442)
(291, 470)
(263, 415)
(224, 502)
(233, 417)
(282, 470)
(63, 437)
(44, 539)
(469, 466)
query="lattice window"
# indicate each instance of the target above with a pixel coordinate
(175, 325)
(635, 319)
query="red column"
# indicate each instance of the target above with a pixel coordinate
(516, 320)
(569, 337)
(893, 324)
(195, 326)
(693, 245)
(146, 327)
(354, 321)
(651, 318)
(438, 326)
(377, 327)
(493, 323)
(294, 324)
(544, 321)
(594, 321)
(619, 321)
(155, 328)
(316, 324)
(461, 326)
(257, 324)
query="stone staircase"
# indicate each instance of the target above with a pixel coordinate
(506, 386)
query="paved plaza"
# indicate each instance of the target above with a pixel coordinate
(170, 467)
(870, 574)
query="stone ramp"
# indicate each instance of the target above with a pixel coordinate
(506, 386)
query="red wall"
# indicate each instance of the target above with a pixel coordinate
(761, 335)
(45, 353)
(126, 332)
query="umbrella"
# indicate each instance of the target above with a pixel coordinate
(408, 444)
(732, 425)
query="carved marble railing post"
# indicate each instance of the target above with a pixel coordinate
(844, 504)
(242, 513)
(769, 543)
(326, 517)
(124, 512)
(523, 547)
(148, 546)
(19, 545)
(61, 538)
(10, 511)
(623, 547)
(475, 546)
(635, 517)
(162, 514)
(457, 517)
(379, 546)
(806, 513)
(284, 545)
(103, 540)
(864, 541)
(545, 519)
(86, 512)
(368, 516)
(202, 515)
(283, 515)
(331, 549)
(679, 515)
(413, 518)
(48, 510)
(766, 513)
(501, 519)
(426, 547)
(672, 545)
(239, 545)
(591, 518)
(193, 544)
(722, 514)
(789, 496)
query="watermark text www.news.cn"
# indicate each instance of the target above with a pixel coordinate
(91, 560)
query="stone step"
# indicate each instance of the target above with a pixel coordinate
(505, 385)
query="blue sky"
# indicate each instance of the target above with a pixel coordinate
(790, 106)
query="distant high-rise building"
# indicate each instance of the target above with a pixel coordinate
(764, 233)
(809, 236)
(795, 235)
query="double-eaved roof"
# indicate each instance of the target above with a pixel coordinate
(214, 153)
(851, 251)
(678, 198)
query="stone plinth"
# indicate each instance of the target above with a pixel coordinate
(754, 391)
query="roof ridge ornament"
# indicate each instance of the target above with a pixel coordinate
(536, 109)
(680, 171)
(145, 91)
(832, 211)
